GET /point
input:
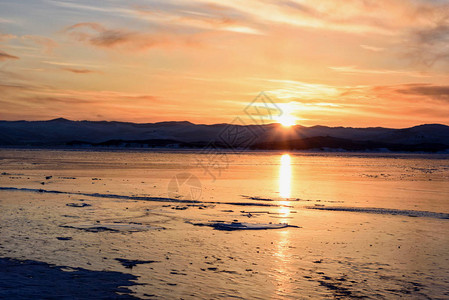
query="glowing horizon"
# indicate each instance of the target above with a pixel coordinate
(376, 64)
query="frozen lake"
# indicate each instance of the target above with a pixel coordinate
(190, 224)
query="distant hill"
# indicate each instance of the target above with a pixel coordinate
(63, 132)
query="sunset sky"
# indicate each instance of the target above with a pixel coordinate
(336, 63)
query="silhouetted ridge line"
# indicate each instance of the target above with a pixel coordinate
(61, 132)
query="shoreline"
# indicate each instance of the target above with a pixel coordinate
(221, 150)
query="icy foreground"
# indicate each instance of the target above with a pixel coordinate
(101, 225)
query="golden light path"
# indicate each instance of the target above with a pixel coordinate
(283, 273)
(285, 176)
(285, 179)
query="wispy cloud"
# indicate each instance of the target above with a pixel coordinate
(291, 89)
(170, 25)
(46, 43)
(344, 16)
(372, 48)
(79, 71)
(430, 45)
(77, 65)
(6, 36)
(355, 70)
(103, 8)
(203, 16)
(97, 35)
(45, 102)
(426, 90)
(6, 21)
(5, 56)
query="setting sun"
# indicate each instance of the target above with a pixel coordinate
(286, 119)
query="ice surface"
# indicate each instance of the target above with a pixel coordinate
(384, 211)
(335, 254)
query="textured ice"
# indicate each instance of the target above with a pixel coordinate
(384, 211)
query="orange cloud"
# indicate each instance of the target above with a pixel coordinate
(439, 92)
(99, 36)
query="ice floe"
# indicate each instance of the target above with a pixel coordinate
(230, 226)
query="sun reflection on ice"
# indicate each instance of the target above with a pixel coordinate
(283, 272)
(283, 268)
(285, 176)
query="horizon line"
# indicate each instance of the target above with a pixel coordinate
(212, 124)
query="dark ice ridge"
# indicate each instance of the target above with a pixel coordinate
(77, 204)
(384, 211)
(130, 263)
(140, 198)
